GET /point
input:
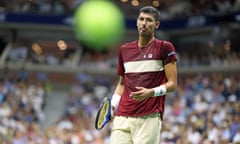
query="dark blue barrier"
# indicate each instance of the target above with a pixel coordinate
(178, 23)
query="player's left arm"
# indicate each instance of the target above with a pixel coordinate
(170, 69)
(171, 74)
(169, 86)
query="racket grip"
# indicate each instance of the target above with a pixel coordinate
(115, 100)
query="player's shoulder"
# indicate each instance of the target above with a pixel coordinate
(164, 42)
(129, 44)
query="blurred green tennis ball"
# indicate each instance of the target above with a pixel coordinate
(98, 23)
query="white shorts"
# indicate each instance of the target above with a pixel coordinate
(136, 130)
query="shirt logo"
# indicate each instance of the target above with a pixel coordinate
(150, 55)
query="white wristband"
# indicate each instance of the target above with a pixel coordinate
(115, 100)
(160, 90)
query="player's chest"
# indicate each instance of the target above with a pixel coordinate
(138, 54)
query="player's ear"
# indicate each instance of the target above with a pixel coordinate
(157, 24)
(137, 24)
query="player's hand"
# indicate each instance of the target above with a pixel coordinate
(141, 93)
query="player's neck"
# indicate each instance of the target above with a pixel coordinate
(144, 41)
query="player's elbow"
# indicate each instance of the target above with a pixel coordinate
(173, 86)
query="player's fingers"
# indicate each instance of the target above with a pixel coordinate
(139, 88)
(135, 93)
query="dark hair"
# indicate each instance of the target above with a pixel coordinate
(152, 10)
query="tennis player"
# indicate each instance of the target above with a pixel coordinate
(147, 72)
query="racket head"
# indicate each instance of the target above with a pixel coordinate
(103, 114)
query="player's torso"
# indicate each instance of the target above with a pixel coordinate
(142, 67)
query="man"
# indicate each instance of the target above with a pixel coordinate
(147, 72)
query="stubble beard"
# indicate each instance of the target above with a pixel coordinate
(144, 34)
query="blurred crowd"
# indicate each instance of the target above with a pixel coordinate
(168, 8)
(205, 109)
(46, 7)
(21, 107)
(182, 8)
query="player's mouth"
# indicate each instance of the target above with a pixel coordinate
(143, 30)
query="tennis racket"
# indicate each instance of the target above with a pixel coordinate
(103, 114)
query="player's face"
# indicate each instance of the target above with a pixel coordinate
(146, 24)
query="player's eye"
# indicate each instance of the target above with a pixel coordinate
(141, 18)
(149, 20)
(145, 19)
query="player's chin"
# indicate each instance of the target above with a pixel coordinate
(144, 34)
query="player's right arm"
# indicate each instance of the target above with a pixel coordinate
(120, 86)
(117, 94)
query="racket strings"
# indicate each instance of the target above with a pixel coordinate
(103, 114)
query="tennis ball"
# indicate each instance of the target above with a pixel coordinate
(98, 23)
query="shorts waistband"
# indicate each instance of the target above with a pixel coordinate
(151, 115)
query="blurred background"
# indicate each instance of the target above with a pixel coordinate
(51, 84)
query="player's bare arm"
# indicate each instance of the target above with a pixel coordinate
(171, 74)
(120, 86)
(118, 92)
